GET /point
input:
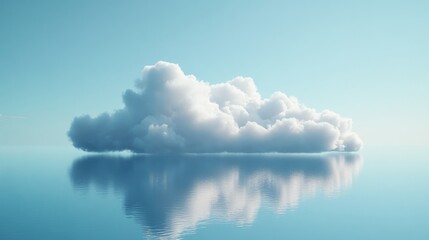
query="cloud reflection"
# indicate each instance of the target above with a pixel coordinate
(171, 195)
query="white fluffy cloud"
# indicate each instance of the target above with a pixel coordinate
(173, 112)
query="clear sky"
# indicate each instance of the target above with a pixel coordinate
(367, 60)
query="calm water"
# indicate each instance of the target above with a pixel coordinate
(54, 193)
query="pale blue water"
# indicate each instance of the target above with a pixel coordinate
(54, 193)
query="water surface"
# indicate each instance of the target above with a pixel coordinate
(54, 193)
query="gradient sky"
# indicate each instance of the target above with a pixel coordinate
(367, 60)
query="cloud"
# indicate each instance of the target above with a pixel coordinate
(173, 112)
(11, 116)
(172, 195)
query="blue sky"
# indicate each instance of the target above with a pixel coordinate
(367, 60)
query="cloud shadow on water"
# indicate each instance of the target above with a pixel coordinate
(172, 195)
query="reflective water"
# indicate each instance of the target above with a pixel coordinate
(51, 193)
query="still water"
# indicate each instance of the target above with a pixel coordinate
(57, 193)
